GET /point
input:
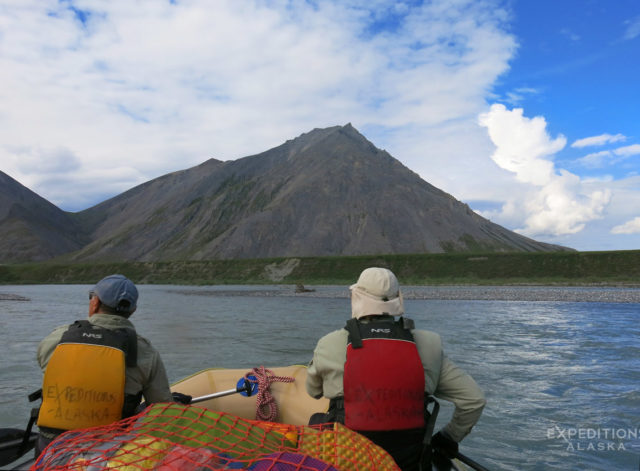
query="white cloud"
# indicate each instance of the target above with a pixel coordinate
(632, 30)
(133, 93)
(627, 151)
(629, 227)
(595, 160)
(522, 144)
(555, 202)
(623, 206)
(560, 207)
(570, 34)
(608, 157)
(515, 97)
(600, 140)
(50, 161)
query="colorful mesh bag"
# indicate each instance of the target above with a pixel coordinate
(172, 436)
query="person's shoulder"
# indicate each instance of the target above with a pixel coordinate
(143, 340)
(338, 334)
(146, 348)
(426, 336)
(58, 331)
(48, 344)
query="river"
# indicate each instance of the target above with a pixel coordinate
(561, 376)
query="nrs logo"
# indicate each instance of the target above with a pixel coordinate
(383, 331)
(92, 336)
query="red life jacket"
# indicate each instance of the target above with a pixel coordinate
(383, 376)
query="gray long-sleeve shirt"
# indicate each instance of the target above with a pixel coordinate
(443, 379)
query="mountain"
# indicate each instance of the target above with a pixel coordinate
(327, 192)
(31, 228)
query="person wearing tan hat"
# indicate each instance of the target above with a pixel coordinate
(378, 372)
(97, 370)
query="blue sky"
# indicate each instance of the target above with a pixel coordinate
(578, 68)
(525, 110)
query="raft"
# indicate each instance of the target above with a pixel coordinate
(225, 433)
(294, 405)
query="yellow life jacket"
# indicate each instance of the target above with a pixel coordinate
(84, 380)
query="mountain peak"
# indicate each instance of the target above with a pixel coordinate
(329, 141)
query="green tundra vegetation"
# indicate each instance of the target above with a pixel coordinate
(549, 268)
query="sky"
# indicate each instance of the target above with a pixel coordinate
(528, 111)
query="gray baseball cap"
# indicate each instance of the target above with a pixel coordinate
(118, 292)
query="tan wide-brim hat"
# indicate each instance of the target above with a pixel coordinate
(376, 292)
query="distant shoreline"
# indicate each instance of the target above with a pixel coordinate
(448, 293)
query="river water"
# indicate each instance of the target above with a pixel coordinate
(562, 378)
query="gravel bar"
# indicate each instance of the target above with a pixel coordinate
(528, 293)
(489, 293)
(12, 297)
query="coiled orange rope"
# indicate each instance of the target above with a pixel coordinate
(264, 399)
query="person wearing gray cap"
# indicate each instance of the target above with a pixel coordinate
(97, 370)
(379, 373)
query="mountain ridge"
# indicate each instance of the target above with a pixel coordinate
(32, 228)
(329, 191)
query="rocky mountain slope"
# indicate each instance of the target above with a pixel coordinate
(31, 228)
(327, 192)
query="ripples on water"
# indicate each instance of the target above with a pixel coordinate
(549, 369)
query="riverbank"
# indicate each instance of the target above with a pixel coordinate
(445, 293)
(615, 268)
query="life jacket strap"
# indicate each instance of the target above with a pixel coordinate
(336, 410)
(131, 403)
(430, 423)
(354, 333)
